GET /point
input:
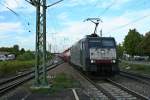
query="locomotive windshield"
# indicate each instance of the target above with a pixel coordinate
(108, 43)
(102, 43)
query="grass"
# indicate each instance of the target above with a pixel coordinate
(11, 67)
(59, 83)
(63, 81)
(142, 69)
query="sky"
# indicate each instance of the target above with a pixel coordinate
(65, 21)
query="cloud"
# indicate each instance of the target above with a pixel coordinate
(75, 30)
(115, 4)
(63, 16)
(17, 6)
(13, 4)
(73, 3)
(10, 27)
(69, 29)
(118, 26)
(27, 41)
(2, 17)
(72, 32)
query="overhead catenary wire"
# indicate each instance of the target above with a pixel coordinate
(107, 8)
(19, 16)
(122, 26)
(131, 22)
(15, 13)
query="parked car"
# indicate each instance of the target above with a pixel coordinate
(10, 57)
(3, 58)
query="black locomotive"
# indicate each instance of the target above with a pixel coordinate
(95, 54)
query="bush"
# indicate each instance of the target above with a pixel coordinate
(10, 67)
(141, 69)
(26, 56)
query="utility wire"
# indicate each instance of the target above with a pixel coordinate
(131, 22)
(9, 9)
(18, 15)
(107, 8)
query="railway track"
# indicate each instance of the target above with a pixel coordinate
(113, 90)
(116, 91)
(11, 83)
(141, 78)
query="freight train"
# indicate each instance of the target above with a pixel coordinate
(94, 54)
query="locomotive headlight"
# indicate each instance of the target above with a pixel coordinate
(113, 61)
(92, 61)
(102, 51)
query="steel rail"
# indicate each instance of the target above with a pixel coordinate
(15, 77)
(139, 96)
(107, 93)
(4, 81)
(111, 97)
(9, 85)
(135, 76)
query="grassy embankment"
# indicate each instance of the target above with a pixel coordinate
(11, 67)
(61, 82)
(22, 62)
(138, 68)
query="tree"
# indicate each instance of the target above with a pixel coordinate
(131, 42)
(145, 44)
(16, 47)
(26, 56)
(22, 51)
(120, 50)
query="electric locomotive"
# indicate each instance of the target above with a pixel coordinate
(95, 54)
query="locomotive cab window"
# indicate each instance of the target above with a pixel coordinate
(94, 44)
(108, 43)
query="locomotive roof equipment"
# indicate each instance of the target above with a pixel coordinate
(96, 21)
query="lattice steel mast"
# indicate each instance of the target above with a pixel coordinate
(40, 51)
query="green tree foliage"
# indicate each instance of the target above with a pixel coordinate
(16, 48)
(120, 50)
(145, 44)
(6, 49)
(22, 51)
(49, 55)
(132, 41)
(26, 56)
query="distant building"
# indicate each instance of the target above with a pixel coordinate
(7, 56)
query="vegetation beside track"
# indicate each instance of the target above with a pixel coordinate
(62, 81)
(138, 68)
(11, 67)
(24, 61)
